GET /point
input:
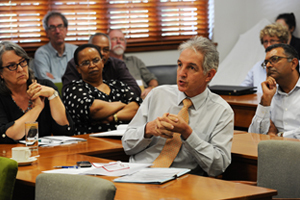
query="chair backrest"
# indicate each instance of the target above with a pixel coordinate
(8, 173)
(278, 167)
(165, 74)
(59, 87)
(72, 187)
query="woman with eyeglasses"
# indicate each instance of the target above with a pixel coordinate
(23, 98)
(97, 105)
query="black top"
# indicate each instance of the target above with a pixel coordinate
(9, 112)
(113, 69)
(79, 96)
(295, 42)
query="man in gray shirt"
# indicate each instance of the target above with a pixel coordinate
(206, 138)
(50, 60)
(135, 66)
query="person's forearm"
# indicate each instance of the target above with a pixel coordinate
(17, 131)
(58, 111)
(128, 112)
(102, 109)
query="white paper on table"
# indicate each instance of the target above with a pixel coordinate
(153, 175)
(64, 139)
(97, 169)
(133, 167)
(119, 132)
(56, 140)
(68, 171)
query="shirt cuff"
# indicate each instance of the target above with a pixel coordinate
(263, 111)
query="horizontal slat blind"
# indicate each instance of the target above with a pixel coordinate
(142, 21)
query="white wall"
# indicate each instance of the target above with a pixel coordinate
(157, 57)
(232, 18)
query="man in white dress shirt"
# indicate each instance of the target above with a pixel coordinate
(207, 137)
(279, 110)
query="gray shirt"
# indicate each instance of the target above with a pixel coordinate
(207, 149)
(138, 70)
(46, 59)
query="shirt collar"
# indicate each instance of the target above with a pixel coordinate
(55, 53)
(197, 100)
(280, 92)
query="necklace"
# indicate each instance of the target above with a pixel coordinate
(28, 107)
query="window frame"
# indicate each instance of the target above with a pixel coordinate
(133, 45)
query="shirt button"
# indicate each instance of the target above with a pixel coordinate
(3, 135)
(69, 128)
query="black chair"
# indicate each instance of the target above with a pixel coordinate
(165, 74)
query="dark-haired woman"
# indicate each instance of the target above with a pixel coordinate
(289, 20)
(25, 99)
(97, 105)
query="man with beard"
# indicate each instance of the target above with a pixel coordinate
(278, 113)
(135, 66)
(50, 60)
(113, 68)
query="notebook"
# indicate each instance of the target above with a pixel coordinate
(232, 89)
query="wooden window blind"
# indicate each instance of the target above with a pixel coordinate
(147, 24)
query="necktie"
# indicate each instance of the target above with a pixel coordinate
(173, 145)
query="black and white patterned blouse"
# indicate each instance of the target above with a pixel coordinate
(79, 96)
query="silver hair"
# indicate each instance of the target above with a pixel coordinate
(52, 14)
(10, 46)
(100, 34)
(206, 48)
(117, 29)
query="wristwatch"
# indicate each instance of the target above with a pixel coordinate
(116, 118)
(55, 94)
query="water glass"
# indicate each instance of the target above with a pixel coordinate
(32, 135)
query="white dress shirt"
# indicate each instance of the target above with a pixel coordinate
(284, 112)
(255, 77)
(207, 149)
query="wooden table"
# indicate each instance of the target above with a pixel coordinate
(244, 155)
(244, 108)
(185, 187)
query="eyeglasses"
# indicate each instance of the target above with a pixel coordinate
(271, 42)
(53, 28)
(116, 38)
(13, 67)
(87, 63)
(272, 60)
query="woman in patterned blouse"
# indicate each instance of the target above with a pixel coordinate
(97, 105)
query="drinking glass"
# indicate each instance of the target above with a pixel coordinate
(32, 135)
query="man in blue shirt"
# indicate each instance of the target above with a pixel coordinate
(50, 60)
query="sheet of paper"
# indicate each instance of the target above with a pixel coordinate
(56, 140)
(153, 175)
(68, 171)
(98, 169)
(119, 132)
(132, 168)
(64, 138)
